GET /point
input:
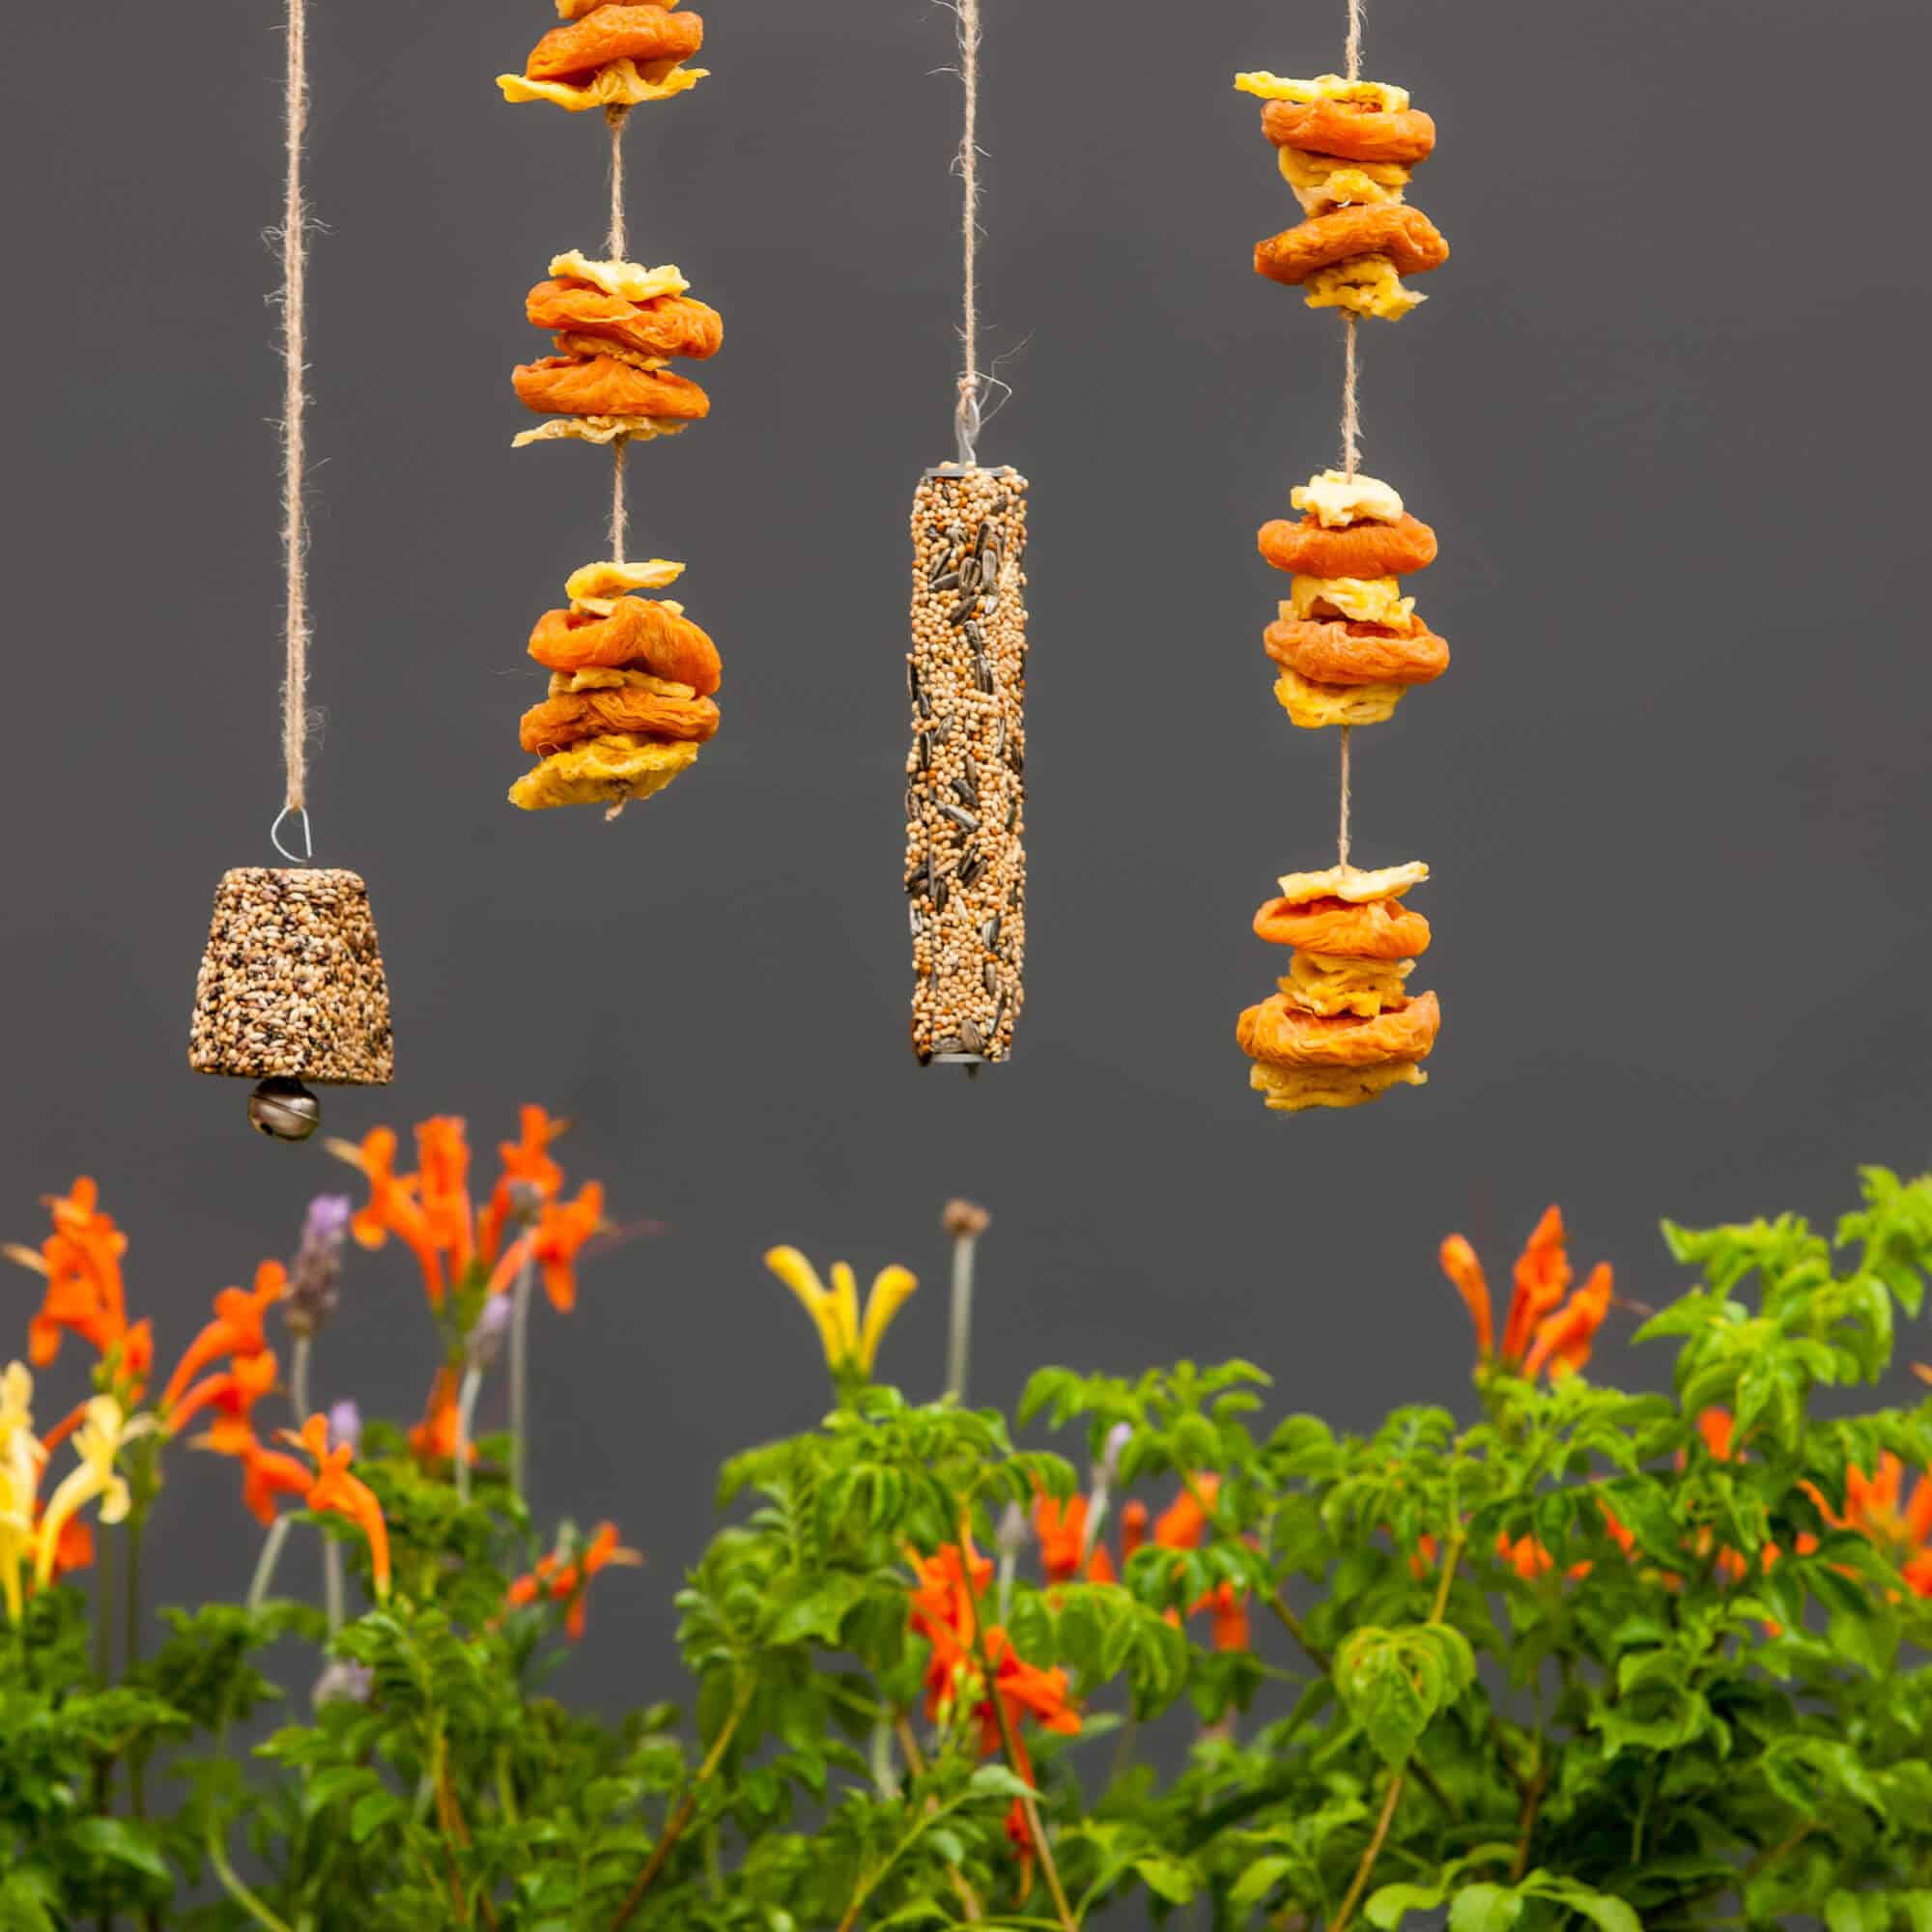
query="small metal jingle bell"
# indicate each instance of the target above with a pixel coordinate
(283, 1109)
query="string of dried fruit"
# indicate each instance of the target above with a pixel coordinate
(632, 678)
(1343, 1028)
(965, 774)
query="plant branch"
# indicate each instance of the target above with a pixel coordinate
(1009, 1744)
(686, 1809)
(1361, 1883)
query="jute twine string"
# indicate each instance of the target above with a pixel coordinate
(966, 416)
(616, 244)
(294, 301)
(1352, 411)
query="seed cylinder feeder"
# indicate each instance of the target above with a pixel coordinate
(965, 772)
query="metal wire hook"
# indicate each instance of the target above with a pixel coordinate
(306, 856)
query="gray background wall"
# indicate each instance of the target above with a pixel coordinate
(1664, 408)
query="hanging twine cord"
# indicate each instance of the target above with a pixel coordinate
(617, 245)
(966, 410)
(1352, 417)
(293, 297)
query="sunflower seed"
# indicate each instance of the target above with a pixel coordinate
(989, 564)
(924, 705)
(948, 1045)
(974, 637)
(911, 804)
(982, 674)
(948, 581)
(990, 933)
(969, 574)
(990, 607)
(924, 743)
(941, 564)
(989, 977)
(972, 778)
(969, 861)
(941, 890)
(912, 919)
(964, 792)
(916, 878)
(1000, 738)
(962, 609)
(969, 1038)
(960, 816)
(1013, 815)
(912, 679)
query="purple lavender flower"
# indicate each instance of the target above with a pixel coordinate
(343, 1681)
(486, 1337)
(318, 1264)
(344, 1425)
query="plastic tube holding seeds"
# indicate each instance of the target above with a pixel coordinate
(965, 811)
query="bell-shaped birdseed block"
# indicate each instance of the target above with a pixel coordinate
(291, 985)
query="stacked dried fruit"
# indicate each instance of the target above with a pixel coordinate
(609, 56)
(630, 697)
(1346, 148)
(1348, 641)
(1343, 1027)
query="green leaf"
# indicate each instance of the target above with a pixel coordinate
(1485, 1908)
(995, 1781)
(1168, 1878)
(1260, 1878)
(122, 1842)
(1389, 1904)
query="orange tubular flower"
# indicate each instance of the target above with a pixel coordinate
(265, 1473)
(944, 1609)
(570, 1582)
(1460, 1263)
(525, 1160)
(559, 1238)
(231, 1393)
(1876, 1509)
(1542, 1330)
(443, 1158)
(238, 1330)
(1182, 1525)
(333, 1489)
(434, 1438)
(392, 1207)
(81, 1259)
(1062, 1529)
(1563, 1340)
(1133, 1528)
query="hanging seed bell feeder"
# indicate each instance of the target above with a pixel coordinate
(292, 987)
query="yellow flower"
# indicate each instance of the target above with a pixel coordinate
(21, 1460)
(851, 1343)
(98, 1440)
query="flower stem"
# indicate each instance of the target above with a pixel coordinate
(687, 1807)
(1009, 1744)
(299, 1378)
(959, 1330)
(331, 1583)
(466, 1422)
(104, 1607)
(265, 1564)
(138, 1762)
(520, 1372)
